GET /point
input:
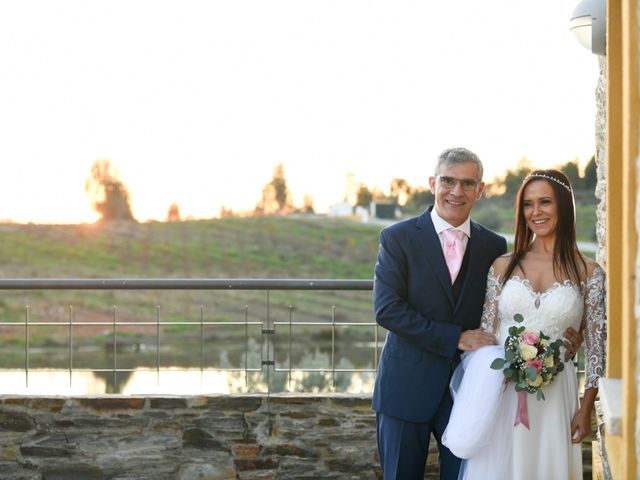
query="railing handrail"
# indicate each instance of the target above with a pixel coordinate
(182, 284)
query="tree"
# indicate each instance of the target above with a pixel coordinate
(572, 171)
(400, 190)
(173, 215)
(109, 196)
(512, 180)
(226, 212)
(363, 196)
(420, 197)
(275, 194)
(307, 204)
(590, 178)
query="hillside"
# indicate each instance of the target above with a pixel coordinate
(256, 247)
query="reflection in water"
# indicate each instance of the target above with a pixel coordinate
(175, 381)
(50, 382)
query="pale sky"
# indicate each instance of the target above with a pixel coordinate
(195, 102)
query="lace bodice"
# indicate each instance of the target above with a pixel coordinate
(561, 306)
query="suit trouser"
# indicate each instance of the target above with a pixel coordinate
(403, 446)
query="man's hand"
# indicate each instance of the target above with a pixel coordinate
(572, 342)
(471, 340)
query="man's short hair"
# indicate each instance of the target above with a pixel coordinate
(451, 156)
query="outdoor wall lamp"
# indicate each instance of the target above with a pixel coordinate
(588, 24)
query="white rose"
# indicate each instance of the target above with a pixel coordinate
(548, 362)
(528, 352)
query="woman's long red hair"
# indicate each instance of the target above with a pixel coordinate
(566, 257)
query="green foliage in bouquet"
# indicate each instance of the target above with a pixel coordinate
(531, 361)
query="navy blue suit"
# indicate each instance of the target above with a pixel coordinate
(414, 300)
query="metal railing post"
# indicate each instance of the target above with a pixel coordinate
(70, 346)
(333, 346)
(26, 346)
(115, 352)
(158, 345)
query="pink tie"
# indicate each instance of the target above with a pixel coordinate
(453, 251)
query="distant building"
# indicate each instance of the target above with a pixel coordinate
(342, 209)
(384, 210)
(362, 213)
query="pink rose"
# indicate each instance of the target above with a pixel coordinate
(537, 364)
(530, 338)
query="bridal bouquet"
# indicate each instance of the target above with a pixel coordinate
(531, 360)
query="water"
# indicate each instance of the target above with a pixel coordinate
(219, 367)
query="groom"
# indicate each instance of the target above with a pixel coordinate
(429, 290)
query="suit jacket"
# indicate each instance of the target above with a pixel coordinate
(414, 301)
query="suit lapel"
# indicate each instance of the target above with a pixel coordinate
(430, 243)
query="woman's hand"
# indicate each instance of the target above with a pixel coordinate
(572, 342)
(581, 425)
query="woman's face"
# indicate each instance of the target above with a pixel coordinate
(540, 208)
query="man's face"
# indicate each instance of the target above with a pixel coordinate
(456, 189)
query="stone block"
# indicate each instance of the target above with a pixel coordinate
(9, 469)
(103, 404)
(82, 421)
(48, 404)
(139, 465)
(72, 472)
(167, 403)
(250, 450)
(121, 445)
(244, 464)
(366, 424)
(198, 438)
(299, 414)
(206, 472)
(328, 422)
(347, 465)
(232, 424)
(157, 414)
(289, 450)
(56, 445)
(15, 401)
(257, 475)
(353, 403)
(13, 421)
(46, 451)
(234, 403)
(8, 453)
(307, 401)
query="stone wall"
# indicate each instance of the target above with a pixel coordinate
(199, 437)
(601, 227)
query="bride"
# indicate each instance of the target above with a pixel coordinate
(552, 286)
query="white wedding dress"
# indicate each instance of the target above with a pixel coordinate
(481, 429)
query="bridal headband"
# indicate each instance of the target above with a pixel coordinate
(547, 177)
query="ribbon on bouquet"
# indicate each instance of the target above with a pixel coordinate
(522, 413)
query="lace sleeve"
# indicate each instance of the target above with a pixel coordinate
(594, 327)
(490, 321)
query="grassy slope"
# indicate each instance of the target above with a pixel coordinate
(270, 247)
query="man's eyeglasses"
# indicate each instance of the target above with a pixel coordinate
(467, 184)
